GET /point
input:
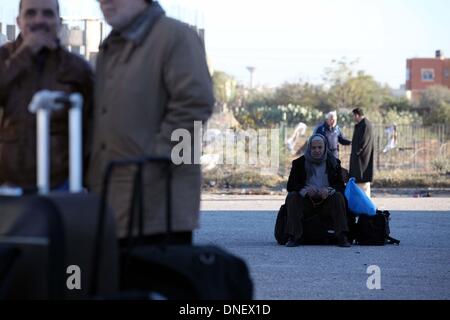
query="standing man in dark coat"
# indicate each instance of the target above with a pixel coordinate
(361, 159)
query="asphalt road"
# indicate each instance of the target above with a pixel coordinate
(417, 269)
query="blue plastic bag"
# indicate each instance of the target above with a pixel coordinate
(358, 202)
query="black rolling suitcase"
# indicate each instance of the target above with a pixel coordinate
(8, 257)
(175, 272)
(43, 236)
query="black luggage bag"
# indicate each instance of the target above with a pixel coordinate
(175, 272)
(42, 236)
(374, 230)
(280, 226)
(315, 231)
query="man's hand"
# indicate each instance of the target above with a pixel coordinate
(311, 192)
(38, 40)
(324, 193)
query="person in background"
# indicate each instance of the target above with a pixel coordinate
(316, 187)
(36, 61)
(392, 138)
(362, 155)
(333, 133)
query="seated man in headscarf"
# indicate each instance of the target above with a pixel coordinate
(316, 187)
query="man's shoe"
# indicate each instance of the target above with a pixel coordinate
(343, 241)
(293, 243)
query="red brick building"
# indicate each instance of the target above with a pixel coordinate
(425, 72)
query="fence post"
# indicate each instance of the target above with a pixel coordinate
(282, 170)
(378, 152)
(424, 143)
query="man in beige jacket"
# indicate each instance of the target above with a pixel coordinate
(152, 80)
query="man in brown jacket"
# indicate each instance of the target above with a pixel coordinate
(36, 61)
(152, 80)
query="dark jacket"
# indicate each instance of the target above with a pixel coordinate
(21, 76)
(361, 160)
(334, 137)
(297, 177)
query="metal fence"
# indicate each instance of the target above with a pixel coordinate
(265, 150)
(416, 147)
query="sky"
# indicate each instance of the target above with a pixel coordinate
(289, 40)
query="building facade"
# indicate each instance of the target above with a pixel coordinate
(425, 72)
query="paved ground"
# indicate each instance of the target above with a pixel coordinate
(418, 269)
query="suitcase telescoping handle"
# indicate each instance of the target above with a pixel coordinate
(43, 104)
(136, 205)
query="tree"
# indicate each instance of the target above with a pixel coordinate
(272, 116)
(350, 89)
(398, 104)
(304, 94)
(395, 110)
(435, 103)
(260, 97)
(225, 89)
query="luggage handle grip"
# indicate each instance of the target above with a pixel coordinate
(43, 103)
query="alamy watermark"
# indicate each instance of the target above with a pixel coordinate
(374, 280)
(74, 279)
(257, 148)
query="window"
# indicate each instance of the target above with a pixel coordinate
(427, 74)
(447, 73)
(408, 74)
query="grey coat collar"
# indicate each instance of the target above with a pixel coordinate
(137, 31)
(142, 25)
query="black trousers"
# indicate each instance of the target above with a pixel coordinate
(333, 209)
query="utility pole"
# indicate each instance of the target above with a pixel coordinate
(252, 71)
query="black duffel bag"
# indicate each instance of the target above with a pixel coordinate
(315, 231)
(280, 226)
(374, 230)
(174, 272)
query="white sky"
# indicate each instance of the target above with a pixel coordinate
(291, 39)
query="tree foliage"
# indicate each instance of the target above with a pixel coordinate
(303, 94)
(272, 116)
(345, 88)
(350, 89)
(435, 102)
(225, 88)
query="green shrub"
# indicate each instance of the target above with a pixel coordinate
(441, 165)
